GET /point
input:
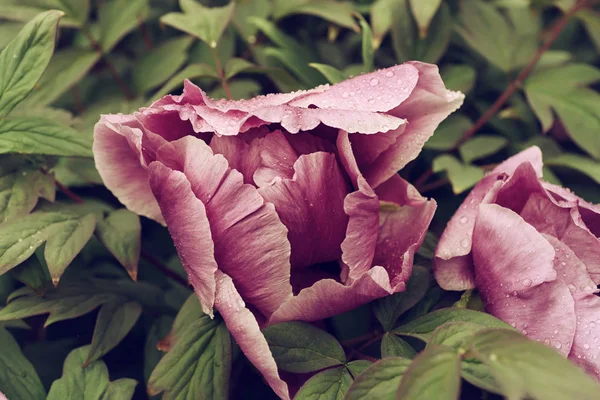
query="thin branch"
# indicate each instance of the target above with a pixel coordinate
(64, 189)
(520, 79)
(221, 73)
(434, 185)
(164, 269)
(111, 68)
(145, 33)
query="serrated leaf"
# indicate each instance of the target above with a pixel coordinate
(159, 64)
(337, 12)
(393, 346)
(32, 273)
(454, 334)
(246, 9)
(65, 233)
(331, 384)
(66, 68)
(433, 374)
(524, 368)
(481, 146)
(120, 232)
(235, 66)
(190, 72)
(300, 347)
(405, 37)
(390, 308)
(449, 132)
(18, 378)
(76, 11)
(423, 11)
(585, 165)
(25, 58)
(20, 190)
(90, 383)
(205, 23)
(461, 176)
(423, 327)
(460, 77)
(357, 367)
(117, 18)
(197, 366)
(332, 74)
(380, 380)
(26, 135)
(115, 320)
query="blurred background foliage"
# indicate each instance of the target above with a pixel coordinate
(115, 56)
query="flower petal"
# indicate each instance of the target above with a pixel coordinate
(531, 155)
(244, 328)
(428, 105)
(119, 160)
(277, 158)
(250, 240)
(585, 351)
(189, 227)
(311, 206)
(328, 297)
(242, 156)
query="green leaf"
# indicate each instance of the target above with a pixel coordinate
(20, 189)
(331, 384)
(283, 40)
(405, 37)
(300, 347)
(25, 58)
(423, 11)
(591, 21)
(562, 89)
(26, 135)
(459, 77)
(115, 320)
(524, 368)
(393, 346)
(8, 30)
(159, 64)
(18, 378)
(461, 176)
(449, 132)
(152, 355)
(32, 273)
(235, 66)
(244, 10)
(423, 327)
(65, 233)
(240, 89)
(433, 374)
(76, 11)
(381, 19)
(337, 12)
(296, 65)
(332, 74)
(66, 68)
(427, 249)
(481, 146)
(357, 367)
(90, 383)
(205, 23)
(585, 165)
(390, 308)
(119, 17)
(380, 380)
(454, 334)
(478, 374)
(120, 232)
(192, 71)
(197, 366)
(368, 52)
(76, 172)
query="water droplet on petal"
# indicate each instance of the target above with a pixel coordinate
(527, 282)
(389, 74)
(464, 219)
(345, 95)
(558, 345)
(586, 346)
(547, 341)
(465, 242)
(374, 82)
(400, 82)
(555, 331)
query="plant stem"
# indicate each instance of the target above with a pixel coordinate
(145, 34)
(111, 68)
(520, 79)
(219, 67)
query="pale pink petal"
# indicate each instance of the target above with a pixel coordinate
(189, 227)
(311, 206)
(2, 396)
(242, 156)
(347, 157)
(250, 240)
(277, 158)
(531, 155)
(428, 105)
(585, 351)
(118, 156)
(244, 328)
(516, 279)
(328, 297)
(522, 184)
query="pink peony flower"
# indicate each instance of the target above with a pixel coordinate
(532, 249)
(283, 207)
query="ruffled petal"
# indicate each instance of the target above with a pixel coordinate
(531, 155)
(428, 105)
(118, 156)
(188, 224)
(277, 158)
(327, 297)
(311, 206)
(242, 156)
(516, 278)
(585, 351)
(243, 326)
(250, 240)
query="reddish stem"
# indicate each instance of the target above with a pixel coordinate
(164, 269)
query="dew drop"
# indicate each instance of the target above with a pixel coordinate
(555, 331)
(563, 263)
(389, 74)
(371, 101)
(345, 95)
(20, 240)
(572, 287)
(464, 219)
(465, 242)
(547, 341)
(400, 82)
(213, 44)
(558, 345)
(513, 325)
(586, 346)
(374, 82)
(493, 357)
(527, 282)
